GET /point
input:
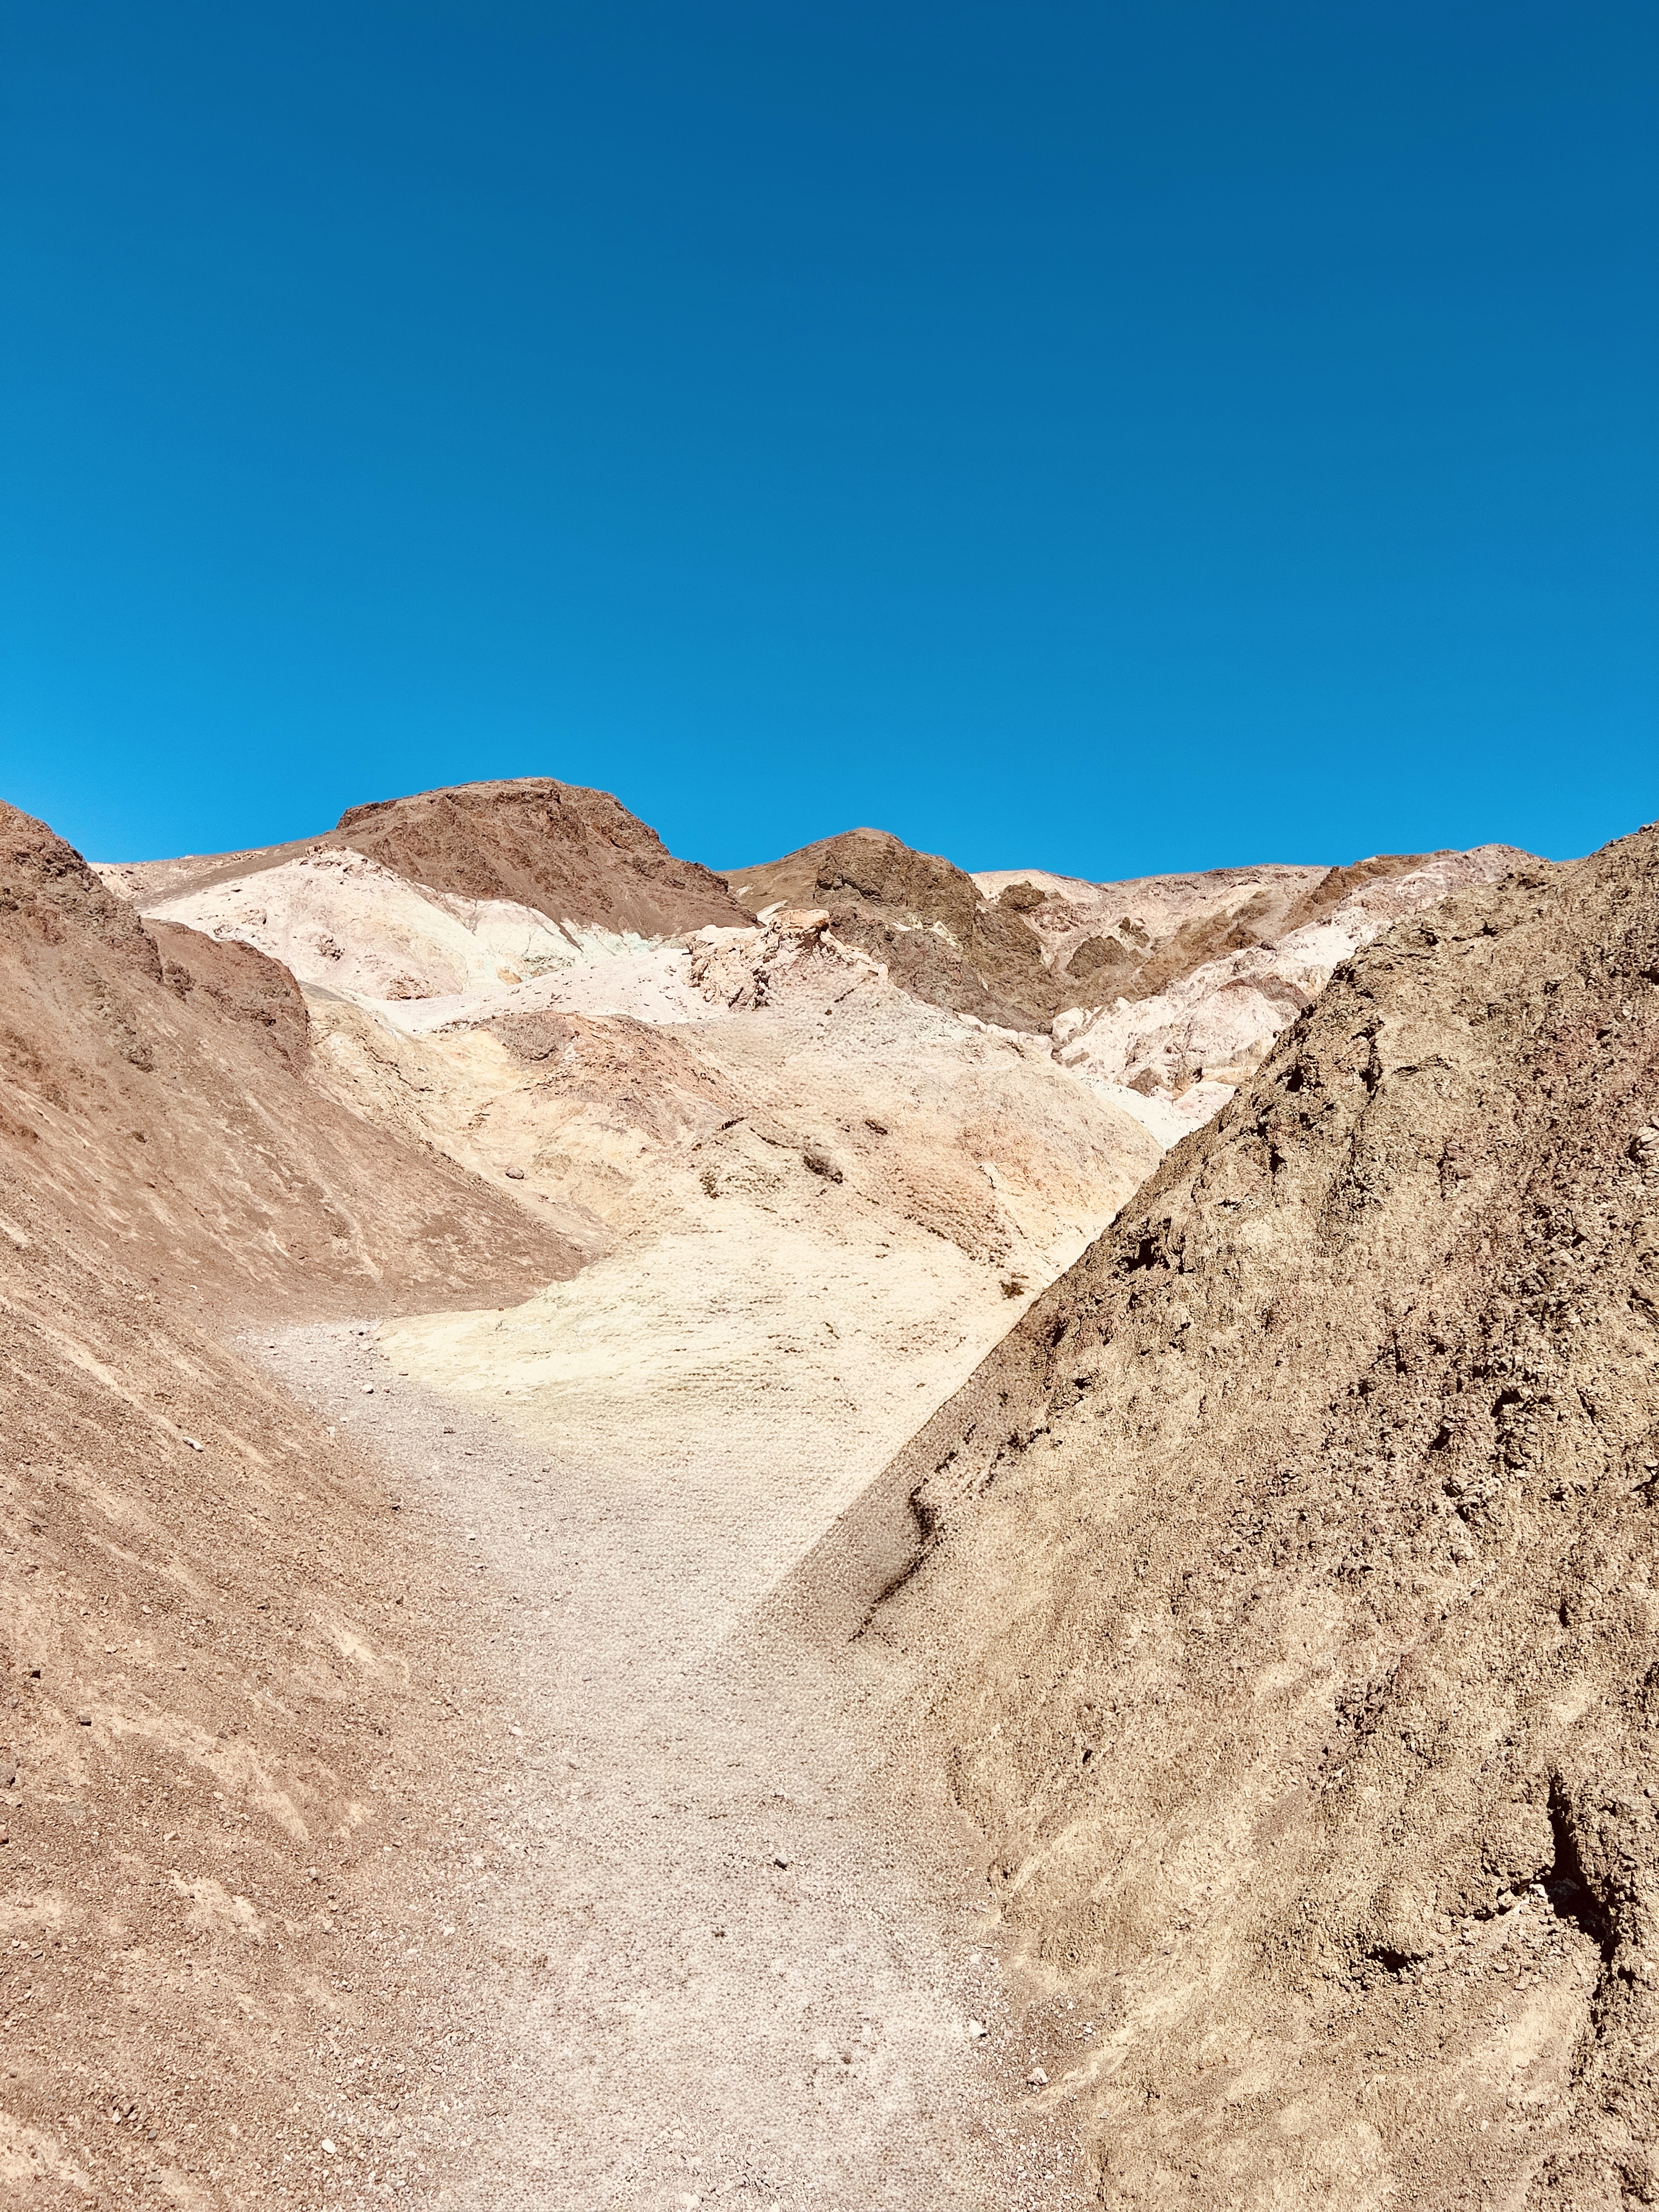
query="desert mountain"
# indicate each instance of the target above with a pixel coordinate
(464, 1277)
(562, 852)
(1157, 994)
(1161, 994)
(258, 1693)
(1285, 1595)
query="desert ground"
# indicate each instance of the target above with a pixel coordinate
(840, 1535)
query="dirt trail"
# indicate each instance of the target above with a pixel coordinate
(714, 1932)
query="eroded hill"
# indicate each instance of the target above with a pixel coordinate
(1288, 1583)
(381, 1737)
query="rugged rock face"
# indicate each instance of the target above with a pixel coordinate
(1290, 1580)
(923, 919)
(571, 854)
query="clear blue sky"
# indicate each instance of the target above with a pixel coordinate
(1113, 437)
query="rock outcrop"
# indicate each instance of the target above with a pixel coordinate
(923, 919)
(1183, 982)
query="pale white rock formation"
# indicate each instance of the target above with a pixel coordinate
(421, 959)
(730, 1093)
(341, 922)
(1184, 1050)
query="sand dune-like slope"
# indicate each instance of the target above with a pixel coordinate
(1290, 1583)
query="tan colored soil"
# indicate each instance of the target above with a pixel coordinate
(1288, 1583)
(482, 1729)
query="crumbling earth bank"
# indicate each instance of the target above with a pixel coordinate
(1290, 1579)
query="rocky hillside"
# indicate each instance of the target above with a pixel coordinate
(530, 1042)
(1160, 993)
(1157, 995)
(243, 1681)
(1280, 1588)
(158, 1093)
(1213, 968)
(1288, 1587)
(219, 1671)
(568, 854)
(923, 919)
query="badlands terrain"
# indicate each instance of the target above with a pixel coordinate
(840, 1535)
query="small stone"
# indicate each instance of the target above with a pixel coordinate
(779, 1860)
(976, 2028)
(515, 1174)
(328, 2146)
(368, 1390)
(1037, 2079)
(85, 1719)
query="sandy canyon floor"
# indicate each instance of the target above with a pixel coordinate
(695, 1919)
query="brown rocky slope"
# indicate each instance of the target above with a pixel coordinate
(1288, 1586)
(923, 918)
(573, 854)
(223, 1659)
(156, 1094)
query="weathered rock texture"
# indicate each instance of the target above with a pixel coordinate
(156, 1092)
(222, 1677)
(1290, 1580)
(572, 854)
(923, 919)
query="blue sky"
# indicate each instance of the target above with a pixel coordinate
(1110, 438)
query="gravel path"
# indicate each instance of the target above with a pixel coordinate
(693, 1924)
